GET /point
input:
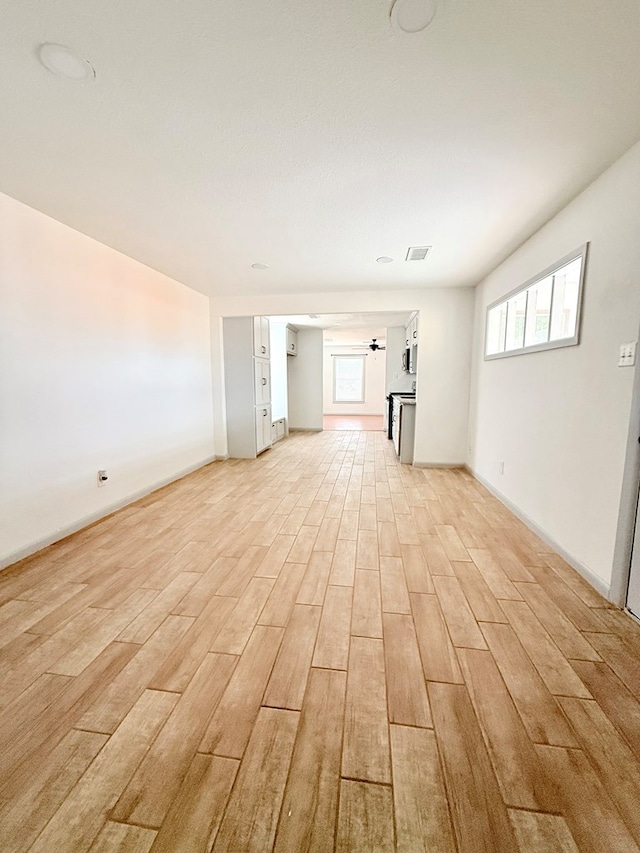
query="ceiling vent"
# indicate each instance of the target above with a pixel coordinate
(417, 253)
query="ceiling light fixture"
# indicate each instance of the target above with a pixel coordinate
(413, 16)
(63, 62)
(259, 267)
(384, 260)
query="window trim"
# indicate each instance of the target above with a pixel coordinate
(363, 359)
(574, 340)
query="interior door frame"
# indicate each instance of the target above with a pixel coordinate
(627, 514)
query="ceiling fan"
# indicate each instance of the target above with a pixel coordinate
(373, 346)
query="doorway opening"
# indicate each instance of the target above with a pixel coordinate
(338, 371)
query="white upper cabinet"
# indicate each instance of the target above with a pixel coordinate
(412, 332)
(292, 341)
(413, 328)
(412, 343)
(261, 344)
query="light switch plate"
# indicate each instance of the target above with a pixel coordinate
(627, 356)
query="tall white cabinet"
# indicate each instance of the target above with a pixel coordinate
(247, 375)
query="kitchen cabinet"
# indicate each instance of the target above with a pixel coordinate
(407, 430)
(263, 428)
(395, 428)
(261, 344)
(412, 343)
(247, 375)
(278, 430)
(413, 330)
(292, 341)
(403, 427)
(262, 380)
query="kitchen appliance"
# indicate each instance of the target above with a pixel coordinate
(406, 360)
(392, 409)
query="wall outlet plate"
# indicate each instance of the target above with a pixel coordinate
(627, 357)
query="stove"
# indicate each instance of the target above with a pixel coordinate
(389, 398)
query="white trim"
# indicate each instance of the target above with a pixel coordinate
(597, 583)
(87, 520)
(438, 464)
(621, 570)
(361, 358)
(574, 340)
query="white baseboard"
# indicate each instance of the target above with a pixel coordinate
(596, 582)
(85, 521)
(439, 465)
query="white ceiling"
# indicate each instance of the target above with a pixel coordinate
(313, 137)
(348, 329)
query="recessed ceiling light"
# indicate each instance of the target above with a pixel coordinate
(259, 267)
(413, 16)
(384, 260)
(63, 62)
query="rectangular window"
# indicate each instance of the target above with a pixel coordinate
(538, 313)
(348, 378)
(544, 313)
(516, 313)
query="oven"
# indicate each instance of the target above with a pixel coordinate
(393, 408)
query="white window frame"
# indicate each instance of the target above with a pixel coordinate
(363, 361)
(581, 253)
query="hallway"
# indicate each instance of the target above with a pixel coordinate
(316, 650)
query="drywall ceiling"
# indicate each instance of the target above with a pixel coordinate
(348, 329)
(314, 137)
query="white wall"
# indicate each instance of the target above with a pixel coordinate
(444, 354)
(279, 370)
(559, 419)
(396, 378)
(374, 383)
(104, 363)
(305, 382)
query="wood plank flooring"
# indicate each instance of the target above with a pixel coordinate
(365, 423)
(318, 650)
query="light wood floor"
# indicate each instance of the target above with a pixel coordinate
(318, 650)
(364, 423)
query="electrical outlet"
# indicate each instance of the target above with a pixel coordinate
(102, 478)
(627, 357)
(501, 467)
